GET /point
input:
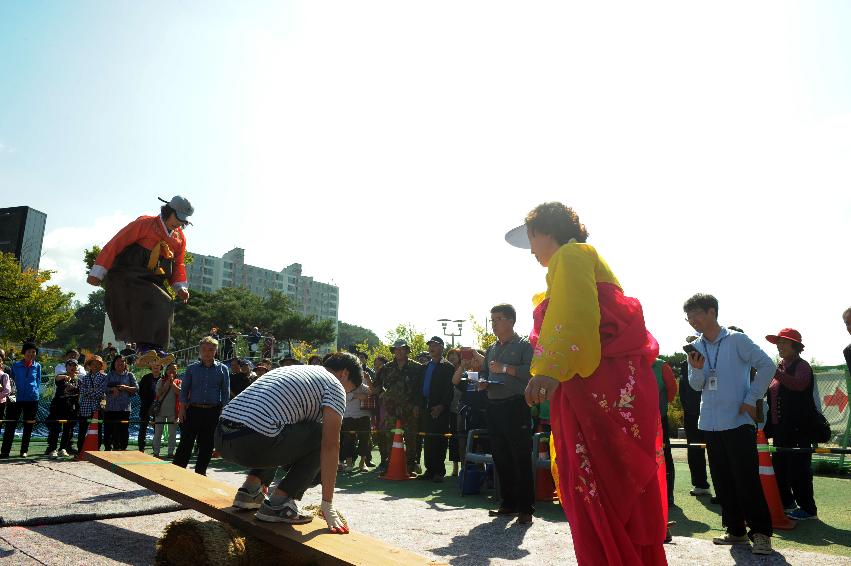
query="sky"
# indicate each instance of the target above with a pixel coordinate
(388, 146)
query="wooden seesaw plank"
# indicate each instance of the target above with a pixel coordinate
(213, 498)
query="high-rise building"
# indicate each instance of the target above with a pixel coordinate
(22, 233)
(309, 297)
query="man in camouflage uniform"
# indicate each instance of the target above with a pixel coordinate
(402, 383)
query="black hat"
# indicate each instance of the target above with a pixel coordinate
(436, 339)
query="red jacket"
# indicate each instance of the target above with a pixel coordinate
(147, 231)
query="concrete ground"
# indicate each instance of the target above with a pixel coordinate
(42, 496)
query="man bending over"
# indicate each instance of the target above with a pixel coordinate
(289, 418)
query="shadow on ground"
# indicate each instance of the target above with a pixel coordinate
(469, 548)
(100, 539)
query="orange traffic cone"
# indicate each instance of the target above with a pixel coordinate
(779, 520)
(90, 444)
(398, 468)
(545, 487)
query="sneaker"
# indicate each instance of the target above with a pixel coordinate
(24, 454)
(731, 539)
(51, 454)
(698, 491)
(286, 512)
(63, 453)
(245, 499)
(800, 515)
(761, 544)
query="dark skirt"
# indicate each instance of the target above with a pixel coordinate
(137, 302)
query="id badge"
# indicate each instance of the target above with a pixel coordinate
(713, 381)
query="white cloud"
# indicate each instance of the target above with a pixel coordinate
(64, 247)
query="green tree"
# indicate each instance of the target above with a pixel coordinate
(297, 327)
(85, 328)
(350, 335)
(90, 255)
(416, 339)
(484, 339)
(29, 310)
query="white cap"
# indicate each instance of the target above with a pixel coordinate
(519, 237)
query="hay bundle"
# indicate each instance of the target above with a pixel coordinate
(189, 542)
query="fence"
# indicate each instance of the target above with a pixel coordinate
(833, 384)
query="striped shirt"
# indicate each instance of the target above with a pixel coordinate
(286, 395)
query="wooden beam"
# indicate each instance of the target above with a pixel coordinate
(311, 542)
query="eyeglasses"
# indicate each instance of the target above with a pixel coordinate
(690, 316)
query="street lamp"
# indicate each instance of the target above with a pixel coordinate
(444, 322)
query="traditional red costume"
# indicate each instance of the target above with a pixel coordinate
(605, 413)
(139, 263)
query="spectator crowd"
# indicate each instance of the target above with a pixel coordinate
(727, 386)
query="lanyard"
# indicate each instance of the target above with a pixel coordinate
(714, 364)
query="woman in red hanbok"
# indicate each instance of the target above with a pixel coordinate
(592, 361)
(137, 266)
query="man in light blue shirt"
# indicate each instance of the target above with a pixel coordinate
(204, 391)
(720, 367)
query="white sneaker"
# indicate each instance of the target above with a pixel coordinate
(63, 453)
(761, 544)
(51, 454)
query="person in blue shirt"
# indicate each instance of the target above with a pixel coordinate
(26, 374)
(720, 368)
(204, 391)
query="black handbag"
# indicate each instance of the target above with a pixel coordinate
(817, 429)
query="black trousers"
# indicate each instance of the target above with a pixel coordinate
(454, 452)
(144, 420)
(83, 430)
(297, 448)
(435, 442)
(200, 425)
(794, 473)
(60, 412)
(510, 432)
(29, 410)
(355, 438)
(116, 432)
(696, 455)
(670, 473)
(734, 465)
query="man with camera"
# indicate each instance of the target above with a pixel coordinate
(506, 374)
(720, 367)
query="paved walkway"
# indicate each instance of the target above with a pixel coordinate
(57, 490)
